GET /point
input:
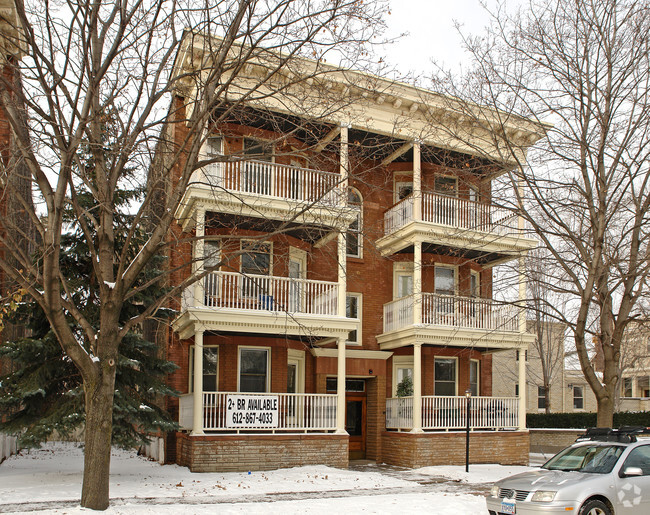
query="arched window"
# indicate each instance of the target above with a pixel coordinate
(354, 239)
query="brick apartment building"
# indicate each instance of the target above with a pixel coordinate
(345, 253)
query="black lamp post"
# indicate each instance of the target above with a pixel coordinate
(468, 397)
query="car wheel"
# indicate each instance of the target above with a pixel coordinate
(595, 507)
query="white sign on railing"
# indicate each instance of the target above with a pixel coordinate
(248, 411)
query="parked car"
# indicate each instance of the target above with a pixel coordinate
(606, 472)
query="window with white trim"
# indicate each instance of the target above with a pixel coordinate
(402, 368)
(541, 397)
(474, 376)
(475, 284)
(627, 387)
(578, 397)
(210, 368)
(445, 284)
(255, 261)
(444, 376)
(353, 310)
(253, 369)
(354, 239)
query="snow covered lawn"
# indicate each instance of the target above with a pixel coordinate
(51, 477)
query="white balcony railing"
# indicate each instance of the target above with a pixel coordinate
(452, 311)
(263, 178)
(232, 290)
(398, 314)
(443, 412)
(453, 212)
(297, 412)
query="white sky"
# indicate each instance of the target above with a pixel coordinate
(432, 35)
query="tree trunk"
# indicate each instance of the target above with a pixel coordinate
(98, 433)
(605, 416)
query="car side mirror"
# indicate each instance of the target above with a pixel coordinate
(632, 471)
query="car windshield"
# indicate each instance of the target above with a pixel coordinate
(595, 459)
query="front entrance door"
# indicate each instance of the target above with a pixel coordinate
(355, 424)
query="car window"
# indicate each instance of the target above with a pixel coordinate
(639, 457)
(595, 459)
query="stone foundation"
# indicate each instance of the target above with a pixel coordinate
(448, 448)
(243, 452)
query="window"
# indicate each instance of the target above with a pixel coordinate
(213, 173)
(211, 259)
(353, 310)
(402, 280)
(525, 355)
(444, 374)
(444, 185)
(516, 389)
(295, 371)
(402, 369)
(445, 284)
(255, 260)
(403, 189)
(353, 238)
(578, 397)
(474, 376)
(253, 369)
(627, 387)
(213, 146)
(210, 368)
(640, 458)
(541, 397)
(351, 385)
(475, 284)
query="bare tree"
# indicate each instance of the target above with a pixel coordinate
(100, 76)
(582, 66)
(549, 333)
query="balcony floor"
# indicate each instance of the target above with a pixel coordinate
(264, 322)
(486, 248)
(454, 337)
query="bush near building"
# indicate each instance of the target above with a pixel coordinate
(584, 420)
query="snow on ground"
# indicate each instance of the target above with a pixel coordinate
(52, 477)
(476, 474)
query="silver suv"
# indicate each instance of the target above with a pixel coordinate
(605, 472)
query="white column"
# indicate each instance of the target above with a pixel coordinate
(197, 425)
(342, 269)
(522, 388)
(417, 283)
(417, 388)
(197, 267)
(344, 164)
(417, 182)
(340, 388)
(522, 295)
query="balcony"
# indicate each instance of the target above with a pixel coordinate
(261, 189)
(297, 412)
(484, 229)
(450, 320)
(261, 303)
(449, 413)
